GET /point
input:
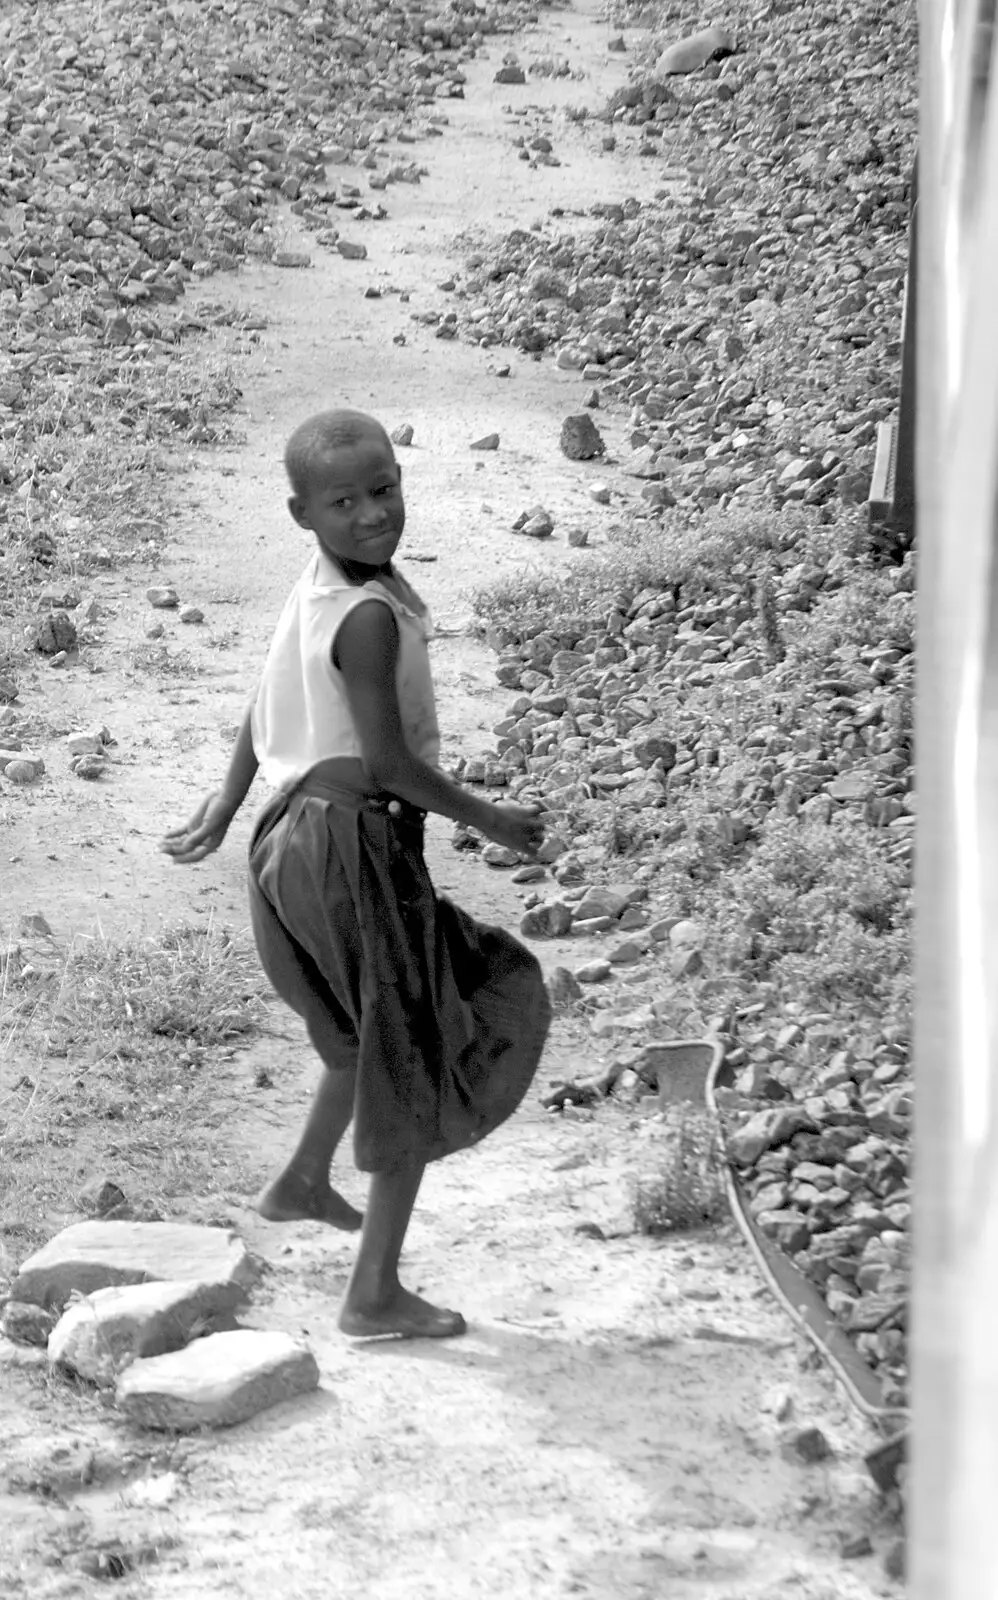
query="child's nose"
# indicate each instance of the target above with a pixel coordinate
(371, 513)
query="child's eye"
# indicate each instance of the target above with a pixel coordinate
(341, 505)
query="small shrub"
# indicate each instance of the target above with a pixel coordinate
(686, 1189)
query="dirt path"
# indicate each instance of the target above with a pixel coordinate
(610, 1426)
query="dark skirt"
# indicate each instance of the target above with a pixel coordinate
(442, 1018)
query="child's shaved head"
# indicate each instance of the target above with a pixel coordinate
(311, 445)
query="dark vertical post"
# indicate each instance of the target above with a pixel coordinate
(904, 482)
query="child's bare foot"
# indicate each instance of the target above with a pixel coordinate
(292, 1198)
(404, 1315)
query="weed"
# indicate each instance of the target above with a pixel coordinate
(686, 1188)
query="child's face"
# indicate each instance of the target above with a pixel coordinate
(354, 503)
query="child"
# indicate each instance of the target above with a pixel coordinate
(429, 1025)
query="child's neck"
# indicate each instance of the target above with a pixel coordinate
(358, 572)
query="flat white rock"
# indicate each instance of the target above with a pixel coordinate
(95, 1255)
(216, 1382)
(99, 1335)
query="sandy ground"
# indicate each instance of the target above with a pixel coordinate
(609, 1427)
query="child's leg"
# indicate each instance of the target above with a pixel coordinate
(376, 1303)
(302, 1190)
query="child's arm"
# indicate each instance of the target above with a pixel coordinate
(206, 829)
(367, 656)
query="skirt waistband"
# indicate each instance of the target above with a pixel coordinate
(316, 787)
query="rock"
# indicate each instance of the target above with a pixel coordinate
(24, 770)
(593, 972)
(23, 1323)
(497, 855)
(855, 1546)
(581, 440)
(90, 743)
(55, 634)
(804, 1443)
(578, 538)
(163, 599)
(625, 954)
(216, 1382)
(403, 435)
(552, 920)
(101, 1197)
(510, 74)
(600, 492)
(490, 441)
(563, 987)
(351, 251)
(89, 766)
(895, 1560)
(100, 1334)
(767, 1130)
(191, 614)
(97, 1255)
(602, 901)
(291, 259)
(8, 689)
(686, 935)
(536, 524)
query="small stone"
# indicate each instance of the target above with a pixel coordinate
(578, 538)
(403, 435)
(686, 935)
(85, 744)
(497, 855)
(101, 1197)
(895, 1563)
(624, 955)
(350, 251)
(23, 1323)
(536, 523)
(59, 599)
(21, 771)
(291, 259)
(490, 441)
(805, 1443)
(96, 1255)
(156, 630)
(89, 767)
(216, 1382)
(602, 901)
(855, 1546)
(552, 920)
(8, 690)
(191, 614)
(55, 634)
(600, 492)
(163, 599)
(593, 971)
(563, 987)
(581, 440)
(532, 872)
(510, 74)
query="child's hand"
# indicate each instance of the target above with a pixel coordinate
(518, 827)
(202, 834)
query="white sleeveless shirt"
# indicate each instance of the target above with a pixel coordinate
(301, 715)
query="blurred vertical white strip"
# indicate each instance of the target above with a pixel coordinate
(953, 1525)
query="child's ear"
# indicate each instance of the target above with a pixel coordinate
(296, 506)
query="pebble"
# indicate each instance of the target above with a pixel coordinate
(191, 614)
(593, 972)
(581, 440)
(490, 441)
(216, 1382)
(163, 599)
(403, 435)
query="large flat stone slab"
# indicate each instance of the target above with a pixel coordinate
(217, 1381)
(99, 1335)
(97, 1255)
